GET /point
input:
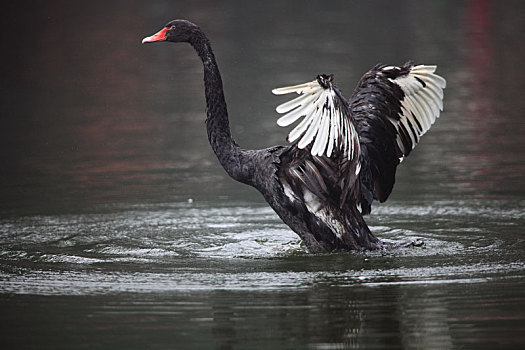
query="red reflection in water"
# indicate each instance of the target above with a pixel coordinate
(89, 130)
(480, 56)
(493, 163)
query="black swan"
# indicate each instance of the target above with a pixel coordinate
(343, 153)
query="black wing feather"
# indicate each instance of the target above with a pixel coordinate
(382, 111)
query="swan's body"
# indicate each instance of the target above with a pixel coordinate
(344, 153)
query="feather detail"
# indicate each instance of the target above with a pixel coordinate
(326, 125)
(392, 108)
(421, 105)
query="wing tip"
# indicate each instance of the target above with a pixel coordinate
(280, 91)
(300, 88)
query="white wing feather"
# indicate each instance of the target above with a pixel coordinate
(324, 126)
(422, 104)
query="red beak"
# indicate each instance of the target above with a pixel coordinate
(160, 36)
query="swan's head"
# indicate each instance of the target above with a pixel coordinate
(175, 31)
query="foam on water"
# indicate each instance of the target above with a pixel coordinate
(198, 247)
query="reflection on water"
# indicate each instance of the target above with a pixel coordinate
(119, 230)
(221, 273)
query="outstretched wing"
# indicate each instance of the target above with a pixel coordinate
(325, 154)
(391, 108)
(325, 123)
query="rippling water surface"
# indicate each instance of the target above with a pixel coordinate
(119, 230)
(196, 274)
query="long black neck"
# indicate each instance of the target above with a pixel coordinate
(228, 152)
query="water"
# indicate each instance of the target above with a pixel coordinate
(119, 230)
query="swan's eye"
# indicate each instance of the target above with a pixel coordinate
(172, 28)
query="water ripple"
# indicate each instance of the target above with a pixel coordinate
(187, 247)
(97, 282)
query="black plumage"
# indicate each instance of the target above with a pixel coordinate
(350, 160)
